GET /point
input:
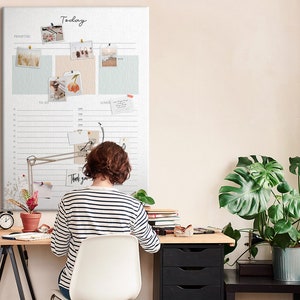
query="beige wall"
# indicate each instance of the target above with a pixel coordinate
(224, 82)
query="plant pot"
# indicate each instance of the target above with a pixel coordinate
(30, 221)
(286, 264)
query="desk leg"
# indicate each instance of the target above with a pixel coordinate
(21, 253)
(16, 272)
(230, 296)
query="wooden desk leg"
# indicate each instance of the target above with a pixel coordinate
(21, 253)
(230, 296)
(16, 272)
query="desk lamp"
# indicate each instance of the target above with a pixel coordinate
(34, 161)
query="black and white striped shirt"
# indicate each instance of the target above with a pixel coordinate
(97, 211)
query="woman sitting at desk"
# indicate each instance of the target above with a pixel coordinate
(99, 209)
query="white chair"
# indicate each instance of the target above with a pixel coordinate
(107, 267)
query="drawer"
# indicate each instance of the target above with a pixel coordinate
(191, 293)
(192, 257)
(192, 276)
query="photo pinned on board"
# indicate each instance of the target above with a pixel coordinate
(82, 50)
(109, 56)
(73, 83)
(57, 87)
(27, 57)
(53, 33)
(84, 148)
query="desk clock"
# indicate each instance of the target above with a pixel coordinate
(6, 219)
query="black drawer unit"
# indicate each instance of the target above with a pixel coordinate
(188, 272)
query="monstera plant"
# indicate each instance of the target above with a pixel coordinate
(258, 191)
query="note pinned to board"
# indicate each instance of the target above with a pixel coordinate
(121, 105)
(75, 178)
(78, 137)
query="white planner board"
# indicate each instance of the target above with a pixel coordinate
(66, 70)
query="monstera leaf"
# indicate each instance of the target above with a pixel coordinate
(252, 184)
(233, 233)
(142, 196)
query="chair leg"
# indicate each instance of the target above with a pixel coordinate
(53, 297)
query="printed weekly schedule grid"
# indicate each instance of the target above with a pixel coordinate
(73, 71)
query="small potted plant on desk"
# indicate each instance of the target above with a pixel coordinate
(259, 192)
(30, 218)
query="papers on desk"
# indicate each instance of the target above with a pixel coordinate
(28, 236)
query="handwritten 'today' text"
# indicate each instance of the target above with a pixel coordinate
(74, 19)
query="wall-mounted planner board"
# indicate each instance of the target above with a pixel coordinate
(72, 77)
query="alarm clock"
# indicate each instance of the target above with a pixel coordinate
(6, 219)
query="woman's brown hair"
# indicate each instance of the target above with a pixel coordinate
(108, 160)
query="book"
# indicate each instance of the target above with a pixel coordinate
(150, 210)
(161, 215)
(163, 222)
(166, 227)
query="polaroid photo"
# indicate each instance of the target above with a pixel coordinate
(57, 88)
(44, 189)
(109, 56)
(84, 148)
(82, 50)
(73, 83)
(27, 57)
(53, 33)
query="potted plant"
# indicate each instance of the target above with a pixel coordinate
(142, 196)
(260, 192)
(30, 218)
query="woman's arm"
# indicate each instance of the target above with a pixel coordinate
(60, 237)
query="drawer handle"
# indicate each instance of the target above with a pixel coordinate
(192, 249)
(191, 287)
(191, 268)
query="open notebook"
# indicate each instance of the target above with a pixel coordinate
(28, 236)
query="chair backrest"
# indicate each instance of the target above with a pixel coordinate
(107, 267)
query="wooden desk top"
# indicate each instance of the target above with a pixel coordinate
(213, 238)
(4, 242)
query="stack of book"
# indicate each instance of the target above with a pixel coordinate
(162, 218)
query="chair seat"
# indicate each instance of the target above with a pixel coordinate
(107, 267)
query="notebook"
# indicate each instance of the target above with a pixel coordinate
(27, 236)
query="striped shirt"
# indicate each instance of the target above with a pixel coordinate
(97, 211)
